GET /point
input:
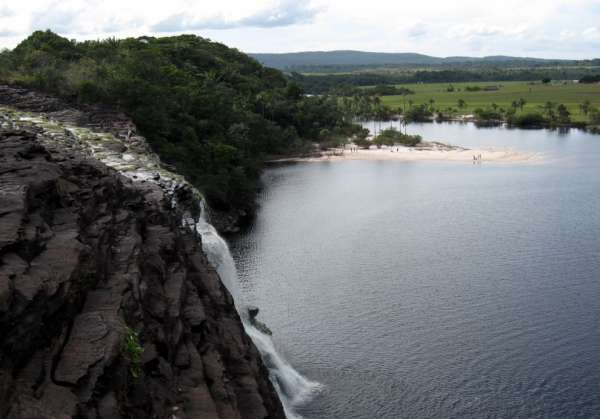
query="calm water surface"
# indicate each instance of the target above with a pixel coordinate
(436, 289)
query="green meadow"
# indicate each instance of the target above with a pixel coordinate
(535, 94)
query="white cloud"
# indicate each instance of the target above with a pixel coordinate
(591, 33)
(547, 28)
(282, 13)
(5, 11)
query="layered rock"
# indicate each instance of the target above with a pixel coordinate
(104, 120)
(108, 308)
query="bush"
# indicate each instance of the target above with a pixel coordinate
(418, 113)
(133, 351)
(362, 143)
(594, 115)
(488, 114)
(529, 120)
(595, 78)
(391, 137)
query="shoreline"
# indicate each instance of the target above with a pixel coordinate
(430, 151)
(470, 118)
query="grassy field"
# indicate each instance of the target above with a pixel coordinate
(570, 94)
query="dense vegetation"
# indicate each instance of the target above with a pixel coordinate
(326, 83)
(525, 97)
(391, 137)
(592, 78)
(211, 111)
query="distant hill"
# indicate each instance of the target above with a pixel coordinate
(354, 59)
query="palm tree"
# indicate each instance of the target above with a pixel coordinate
(403, 123)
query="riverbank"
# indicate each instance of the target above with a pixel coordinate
(430, 151)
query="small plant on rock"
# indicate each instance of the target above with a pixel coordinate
(133, 351)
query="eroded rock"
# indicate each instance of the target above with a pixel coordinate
(88, 259)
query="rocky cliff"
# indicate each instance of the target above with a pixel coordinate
(108, 308)
(108, 121)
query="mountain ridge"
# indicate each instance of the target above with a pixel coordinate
(290, 60)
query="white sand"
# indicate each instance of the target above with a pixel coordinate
(457, 154)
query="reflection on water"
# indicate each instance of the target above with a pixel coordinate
(436, 289)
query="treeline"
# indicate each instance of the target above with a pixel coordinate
(326, 83)
(379, 90)
(453, 66)
(550, 114)
(592, 78)
(209, 110)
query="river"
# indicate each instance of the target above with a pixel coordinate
(436, 289)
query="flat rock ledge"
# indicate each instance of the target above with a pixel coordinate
(108, 308)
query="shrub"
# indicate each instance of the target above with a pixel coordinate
(488, 114)
(418, 113)
(532, 119)
(594, 115)
(133, 351)
(590, 79)
(391, 137)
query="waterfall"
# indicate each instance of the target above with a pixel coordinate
(139, 164)
(293, 388)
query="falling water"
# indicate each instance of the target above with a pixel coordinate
(293, 388)
(141, 165)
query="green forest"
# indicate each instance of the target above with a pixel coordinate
(336, 83)
(209, 110)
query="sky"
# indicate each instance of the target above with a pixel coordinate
(534, 28)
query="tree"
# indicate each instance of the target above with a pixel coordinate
(418, 113)
(360, 138)
(585, 107)
(548, 109)
(521, 102)
(564, 116)
(461, 103)
(391, 137)
(594, 115)
(209, 110)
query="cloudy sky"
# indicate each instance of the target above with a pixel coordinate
(541, 28)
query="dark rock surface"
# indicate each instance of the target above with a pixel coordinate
(109, 121)
(90, 261)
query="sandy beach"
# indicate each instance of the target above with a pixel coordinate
(431, 151)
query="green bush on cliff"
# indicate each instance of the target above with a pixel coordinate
(211, 111)
(132, 351)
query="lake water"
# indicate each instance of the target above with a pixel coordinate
(436, 289)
